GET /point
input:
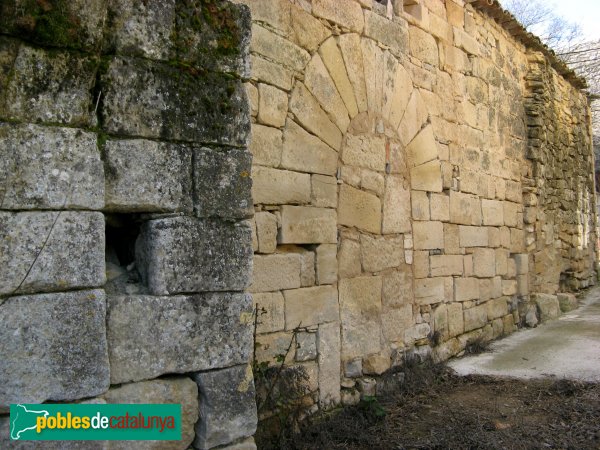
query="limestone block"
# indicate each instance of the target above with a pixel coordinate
(328, 347)
(523, 285)
(522, 263)
(390, 33)
(306, 153)
(473, 236)
(183, 254)
(517, 240)
(440, 207)
(509, 287)
(475, 317)
(321, 85)
(431, 290)
(278, 49)
(548, 306)
(173, 390)
(373, 61)
(272, 105)
(254, 236)
(497, 308)
(486, 288)
(511, 214)
(276, 14)
(359, 209)
(455, 14)
(376, 364)
(307, 225)
(366, 151)
(271, 73)
(567, 302)
(421, 264)
(147, 99)
(514, 192)
(411, 124)
(346, 13)
(360, 312)
(309, 113)
(492, 212)
(427, 177)
(148, 176)
(466, 42)
(396, 206)
(451, 239)
(466, 289)
(484, 262)
(372, 181)
(440, 321)
(423, 46)
(45, 355)
(270, 311)
(446, 265)
(272, 347)
(455, 319)
(505, 237)
(494, 237)
(276, 272)
(306, 346)
(395, 322)
(333, 60)
(252, 93)
(274, 187)
(327, 265)
(310, 306)
(380, 253)
(420, 205)
(502, 256)
(351, 51)
(398, 287)
(48, 251)
(266, 230)
(49, 168)
(428, 235)
(397, 89)
(418, 332)
(324, 191)
(227, 406)
(308, 31)
(52, 87)
(177, 334)
(349, 259)
(465, 209)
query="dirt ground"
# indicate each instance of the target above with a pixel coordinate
(435, 409)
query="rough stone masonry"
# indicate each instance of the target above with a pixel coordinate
(125, 194)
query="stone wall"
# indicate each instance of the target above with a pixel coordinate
(420, 171)
(125, 191)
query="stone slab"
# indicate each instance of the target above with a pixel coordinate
(359, 209)
(310, 306)
(275, 187)
(307, 225)
(276, 272)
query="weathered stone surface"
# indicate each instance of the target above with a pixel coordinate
(177, 334)
(396, 206)
(423, 147)
(350, 46)
(379, 253)
(497, 308)
(423, 46)
(567, 302)
(270, 311)
(547, 305)
(484, 262)
(147, 176)
(271, 73)
(266, 231)
(455, 319)
(307, 31)
(431, 290)
(427, 177)
(148, 99)
(445, 265)
(333, 60)
(324, 191)
(373, 61)
(306, 348)
(172, 390)
(272, 105)
(466, 289)
(242, 444)
(360, 311)
(349, 259)
(310, 306)
(183, 254)
(327, 266)
(328, 347)
(493, 212)
(365, 150)
(276, 272)
(278, 49)
(346, 13)
(465, 209)
(359, 209)
(49, 87)
(272, 347)
(50, 251)
(274, 187)
(428, 235)
(376, 364)
(307, 225)
(395, 322)
(266, 145)
(39, 359)
(49, 168)
(222, 183)
(227, 406)
(398, 287)
(393, 34)
(475, 317)
(473, 236)
(306, 153)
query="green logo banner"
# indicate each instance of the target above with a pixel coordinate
(93, 422)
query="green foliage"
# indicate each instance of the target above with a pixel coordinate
(371, 408)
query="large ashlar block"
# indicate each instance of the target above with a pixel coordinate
(548, 306)
(276, 272)
(395, 322)
(427, 177)
(270, 311)
(350, 46)
(183, 254)
(380, 253)
(308, 31)
(440, 207)
(397, 89)
(396, 206)
(52, 87)
(45, 354)
(329, 359)
(148, 176)
(278, 49)
(310, 306)
(50, 251)
(456, 324)
(466, 42)
(475, 317)
(473, 236)
(306, 153)
(466, 289)
(349, 259)
(148, 99)
(275, 187)
(360, 312)
(428, 235)
(327, 266)
(446, 265)
(324, 191)
(373, 61)
(465, 209)
(423, 46)
(227, 406)
(346, 13)
(272, 105)
(492, 212)
(433, 290)
(511, 214)
(423, 148)
(49, 168)
(307, 225)
(177, 334)
(398, 287)
(173, 390)
(412, 123)
(359, 209)
(333, 60)
(393, 34)
(365, 150)
(484, 262)
(497, 308)
(266, 145)
(271, 73)
(266, 231)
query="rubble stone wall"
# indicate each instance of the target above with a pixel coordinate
(418, 174)
(125, 194)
